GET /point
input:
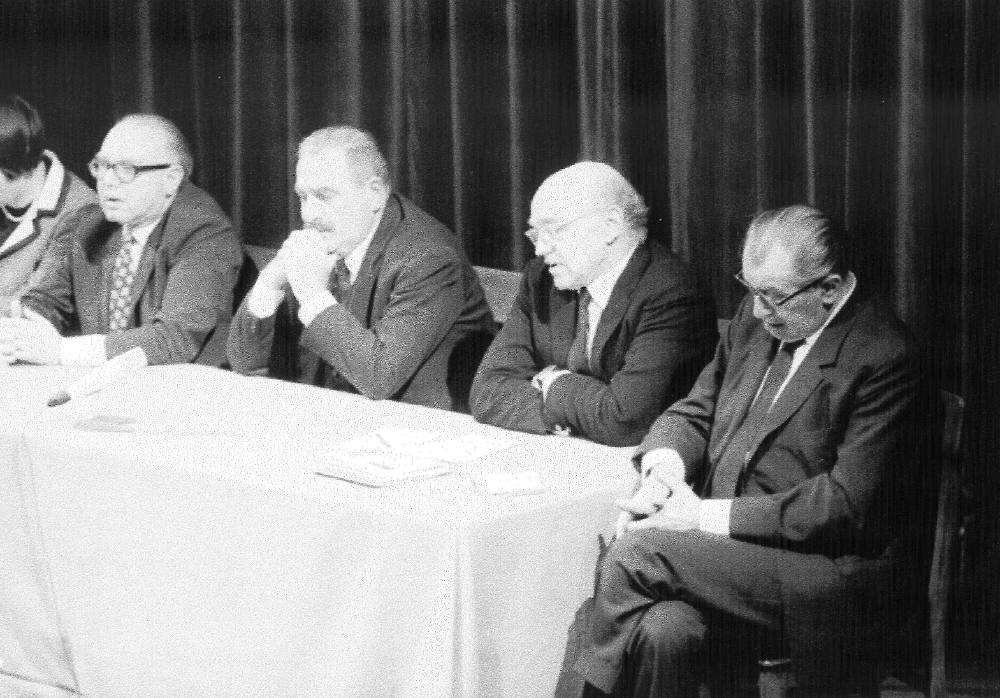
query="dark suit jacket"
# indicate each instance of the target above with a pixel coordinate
(182, 294)
(415, 298)
(834, 470)
(655, 334)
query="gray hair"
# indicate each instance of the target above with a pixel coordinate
(358, 147)
(173, 139)
(814, 243)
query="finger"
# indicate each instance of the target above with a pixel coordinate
(15, 308)
(655, 521)
(624, 518)
(32, 315)
(636, 507)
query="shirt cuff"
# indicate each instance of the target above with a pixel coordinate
(314, 305)
(264, 301)
(547, 381)
(713, 516)
(86, 350)
(668, 465)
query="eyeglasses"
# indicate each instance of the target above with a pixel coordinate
(126, 172)
(770, 304)
(553, 232)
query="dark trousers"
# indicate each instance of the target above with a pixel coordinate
(670, 604)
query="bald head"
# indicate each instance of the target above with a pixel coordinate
(593, 186)
(163, 137)
(142, 163)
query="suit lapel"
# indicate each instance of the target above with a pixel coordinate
(147, 262)
(363, 287)
(809, 374)
(754, 362)
(613, 313)
(564, 305)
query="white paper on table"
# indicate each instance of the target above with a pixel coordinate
(388, 439)
(462, 449)
(380, 468)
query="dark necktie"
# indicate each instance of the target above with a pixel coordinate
(340, 281)
(725, 480)
(576, 360)
(121, 286)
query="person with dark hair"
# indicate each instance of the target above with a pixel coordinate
(151, 267)
(607, 328)
(783, 502)
(37, 197)
(374, 292)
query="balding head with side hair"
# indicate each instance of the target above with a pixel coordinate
(162, 160)
(342, 181)
(585, 219)
(793, 263)
(169, 137)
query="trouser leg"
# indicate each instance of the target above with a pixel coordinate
(709, 574)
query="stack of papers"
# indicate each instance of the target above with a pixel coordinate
(391, 456)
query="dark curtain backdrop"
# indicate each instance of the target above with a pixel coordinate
(886, 114)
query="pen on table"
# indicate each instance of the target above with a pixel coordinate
(101, 377)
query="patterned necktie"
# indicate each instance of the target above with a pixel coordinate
(121, 285)
(576, 360)
(726, 478)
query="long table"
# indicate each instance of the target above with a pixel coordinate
(200, 555)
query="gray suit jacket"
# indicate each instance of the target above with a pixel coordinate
(182, 295)
(415, 299)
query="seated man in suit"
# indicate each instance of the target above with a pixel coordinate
(378, 292)
(607, 328)
(152, 267)
(797, 435)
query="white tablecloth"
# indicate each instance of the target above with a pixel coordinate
(199, 555)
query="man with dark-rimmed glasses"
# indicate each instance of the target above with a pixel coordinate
(607, 328)
(151, 268)
(783, 503)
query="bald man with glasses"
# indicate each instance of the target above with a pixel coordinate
(152, 267)
(607, 329)
(784, 504)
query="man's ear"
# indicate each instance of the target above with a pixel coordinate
(614, 225)
(830, 284)
(377, 191)
(174, 179)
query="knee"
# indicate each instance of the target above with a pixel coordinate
(639, 556)
(669, 629)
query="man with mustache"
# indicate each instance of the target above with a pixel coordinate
(377, 294)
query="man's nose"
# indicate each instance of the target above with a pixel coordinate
(760, 309)
(543, 246)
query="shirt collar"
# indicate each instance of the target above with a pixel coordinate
(48, 198)
(851, 283)
(600, 288)
(141, 233)
(353, 260)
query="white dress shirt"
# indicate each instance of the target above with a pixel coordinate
(88, 349)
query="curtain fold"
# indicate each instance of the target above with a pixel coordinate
(885, 113)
